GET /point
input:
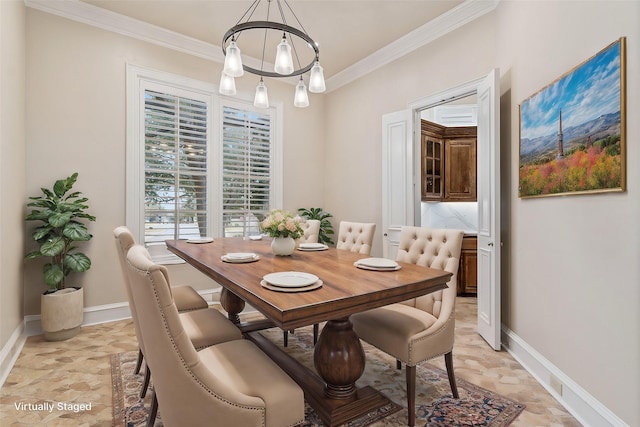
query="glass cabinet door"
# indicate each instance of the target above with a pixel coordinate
(432, 163)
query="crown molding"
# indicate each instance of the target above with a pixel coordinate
(466, 12)
(101, 18)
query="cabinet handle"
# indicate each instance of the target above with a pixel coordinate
(490, 244)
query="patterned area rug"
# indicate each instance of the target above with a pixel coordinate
(435, 407)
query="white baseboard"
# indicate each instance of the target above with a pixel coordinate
(582, 405)
(10, 352)
(106, 313)
(92, 316)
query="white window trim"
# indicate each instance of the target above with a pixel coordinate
(138, 77)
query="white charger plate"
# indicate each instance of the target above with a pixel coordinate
(225, 258)
(313, 286)
(312, 247)
(201, 240)
(377, 263)
(240, 255)
(290, 279)
(366, 267)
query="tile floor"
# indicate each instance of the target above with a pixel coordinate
(75, 377)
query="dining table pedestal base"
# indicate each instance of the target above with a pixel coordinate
(339, 360)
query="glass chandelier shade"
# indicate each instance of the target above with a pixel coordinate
(284, 61)
(261, 100)
(233, 61)
(316, 81)
(301, 98)
(289, 60)
(227, 84)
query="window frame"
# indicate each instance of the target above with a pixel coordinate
(138, 79)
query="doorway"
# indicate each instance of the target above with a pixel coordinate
(401, 171)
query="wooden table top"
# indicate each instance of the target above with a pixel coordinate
(346, 288)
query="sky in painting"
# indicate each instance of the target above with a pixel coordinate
(589, 91)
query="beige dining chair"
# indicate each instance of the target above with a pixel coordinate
(354, 237)
(311, 228)
(186, 298)
(204, 326)
(228, 384)
(421, 328)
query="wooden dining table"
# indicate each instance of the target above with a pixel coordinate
(339, 357)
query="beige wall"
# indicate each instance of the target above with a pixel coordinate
(12, 165)
(76, 122)
(573, 292)
(570, 264)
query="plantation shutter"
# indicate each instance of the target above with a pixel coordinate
(247, 170)
(175, 167)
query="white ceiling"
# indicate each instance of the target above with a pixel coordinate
(354, 36)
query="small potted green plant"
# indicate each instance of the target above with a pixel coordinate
(60, 212)
(326, 228)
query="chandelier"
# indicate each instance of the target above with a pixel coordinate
(260, 33)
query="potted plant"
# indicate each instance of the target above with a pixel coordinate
(326, 228)
(284, 228)
(59, 210)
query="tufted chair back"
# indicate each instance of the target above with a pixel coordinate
(434, 248)
(356, 237)
(311, 229)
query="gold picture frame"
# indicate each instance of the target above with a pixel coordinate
(573, 131)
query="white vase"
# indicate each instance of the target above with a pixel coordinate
(283, 246)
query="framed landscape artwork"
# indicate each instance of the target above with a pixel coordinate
(573, 131)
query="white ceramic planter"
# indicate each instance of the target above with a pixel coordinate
(62, 313)
(283, 246)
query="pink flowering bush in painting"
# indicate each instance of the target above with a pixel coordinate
(280, 223)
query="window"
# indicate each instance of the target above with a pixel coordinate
(246, 171)
(185, 180)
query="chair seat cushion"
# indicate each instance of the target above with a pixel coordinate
(391, 328)
(208, 327)
(187, 298)
(244, 367)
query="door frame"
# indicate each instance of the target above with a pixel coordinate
(489, 310)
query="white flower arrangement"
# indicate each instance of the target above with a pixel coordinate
(281, 223)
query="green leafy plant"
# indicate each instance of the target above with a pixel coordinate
(326, 228)
(56, 237)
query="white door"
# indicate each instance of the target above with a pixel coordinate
(401, 197)
(489, 210)
(397, 178)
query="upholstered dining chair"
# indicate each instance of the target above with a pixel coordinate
(311, 228)
(228, 384)
(421, 328)
(354, 237)
(204, 326)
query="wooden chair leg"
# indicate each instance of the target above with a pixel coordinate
(286, 338)
(139, 362)
(153, 411)
(448, 361)
(145, 384)
(316, 328)
(398, 364)
(411, 394)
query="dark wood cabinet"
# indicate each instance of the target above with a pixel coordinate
(448, 163)
(468, 268)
